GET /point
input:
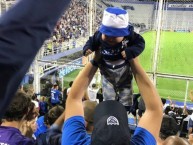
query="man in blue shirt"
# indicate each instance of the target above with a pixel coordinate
(55, 94)
(110, 124)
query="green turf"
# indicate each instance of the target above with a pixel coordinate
(70, 77)
(175, 57)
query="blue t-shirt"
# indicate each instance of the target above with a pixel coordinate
(41, 127)
(43, 107)
(55, 96)
(142, 137)
(12, 136)
(74, 132)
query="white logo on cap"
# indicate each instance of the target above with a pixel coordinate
(112, 121)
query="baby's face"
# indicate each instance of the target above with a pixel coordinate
(111, 40)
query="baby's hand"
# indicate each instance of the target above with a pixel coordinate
(88, 51)
(123, 54)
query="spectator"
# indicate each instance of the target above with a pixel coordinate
(190, 125)
(169, 127)
(29, 126)
(175, 140)
(92, 92)
(119, 44)
(167, 110)
(41, 126)
(89, 108)
(134, 107)
(54, 134)
(189, 112)
(180, 117)
(116, 132)
(141, 107)
(163, 101)
(51, 121)
(43, 106)
(26, 25)
(55, 95)
(85, 96)
(13, 118)
(70, 85)
(64, 96)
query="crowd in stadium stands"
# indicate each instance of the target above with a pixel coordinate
(71, 27)
(45, 118)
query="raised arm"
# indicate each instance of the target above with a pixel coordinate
(151, 120)
(23, 29)
(54, 133)
(74, 106)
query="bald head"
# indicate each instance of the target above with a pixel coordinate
(175, 140)
(89, 108)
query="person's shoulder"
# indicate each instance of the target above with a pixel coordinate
(97, 36)
(143, 136)
(58, 91)
(75, 119)
(23, 139)
(74, 131)
(26, 141)
(10, 131)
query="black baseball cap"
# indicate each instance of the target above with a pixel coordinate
(110, 124)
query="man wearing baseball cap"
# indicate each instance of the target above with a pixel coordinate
(119, 44)
(110, 117)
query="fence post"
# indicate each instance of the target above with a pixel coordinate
(186, 94)
(159, 21)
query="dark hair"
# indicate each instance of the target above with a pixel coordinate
(189, 112)
(175, 140)
(179, 111)
(70, 84)
(32, 113)
(55, 85)
(163, 101)
(169, 127)
(53, 114)
(34, 96)
(167, 110)
(18, 107)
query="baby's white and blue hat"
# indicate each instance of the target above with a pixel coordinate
(115, 22)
